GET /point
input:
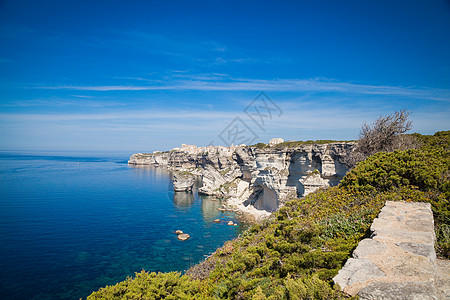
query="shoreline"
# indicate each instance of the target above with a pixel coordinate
(255, 180)
(232, 204)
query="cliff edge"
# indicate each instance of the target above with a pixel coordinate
(257, 179)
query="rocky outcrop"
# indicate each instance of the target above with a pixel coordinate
(263, 178)
(183, 181)
(279, 174)
(312, 183)
(212, 181)
(398, 261)
(182, 236)
(144, 158)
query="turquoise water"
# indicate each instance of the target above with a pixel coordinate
(70, 224)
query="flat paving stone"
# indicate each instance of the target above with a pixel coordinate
(398, 261)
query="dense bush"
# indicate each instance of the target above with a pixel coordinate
(150, 286)
(296, 253)
(426, 169)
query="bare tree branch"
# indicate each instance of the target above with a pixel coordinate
(385, 134)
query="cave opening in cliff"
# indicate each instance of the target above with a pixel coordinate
(263, 198)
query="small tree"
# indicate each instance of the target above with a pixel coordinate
(385, 134)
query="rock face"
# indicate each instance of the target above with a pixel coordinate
(312, 183)
(261, 178)
(182, 182)
(398, 261)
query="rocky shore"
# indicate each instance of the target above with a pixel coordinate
(254, 179)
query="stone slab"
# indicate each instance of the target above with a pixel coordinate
(398, 261)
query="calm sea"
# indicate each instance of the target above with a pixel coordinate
(72, 223)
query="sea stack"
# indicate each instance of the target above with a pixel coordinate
(183, 181)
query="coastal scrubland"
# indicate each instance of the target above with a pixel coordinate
(296, 253)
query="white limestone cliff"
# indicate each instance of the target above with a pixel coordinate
(182, 182)
(253, 178)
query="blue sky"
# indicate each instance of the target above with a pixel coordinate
(149, 75)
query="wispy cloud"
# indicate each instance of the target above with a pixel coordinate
(127, 115)
(220, 83)
(80, 101)
(224, 60)
(300, 120)
(295, 115)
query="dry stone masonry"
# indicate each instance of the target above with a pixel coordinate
(398, 261)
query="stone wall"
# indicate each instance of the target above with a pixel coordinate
(398, 261)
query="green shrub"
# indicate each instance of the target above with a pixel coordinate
(150, 286)
(425, 169)
(421, 175)
(261, 145)
(296, 253)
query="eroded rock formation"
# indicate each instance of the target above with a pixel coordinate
(263, 178)
(182, 181)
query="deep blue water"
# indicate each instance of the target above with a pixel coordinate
(71, 223)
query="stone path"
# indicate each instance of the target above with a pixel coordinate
(398, 261)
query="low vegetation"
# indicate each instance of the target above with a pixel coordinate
(183, 173)
(296, 253)
(293, 144)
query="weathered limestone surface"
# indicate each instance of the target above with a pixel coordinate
(260, 178)
(398, 261)
(443, 279)
(182, 182)
(312, 183)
